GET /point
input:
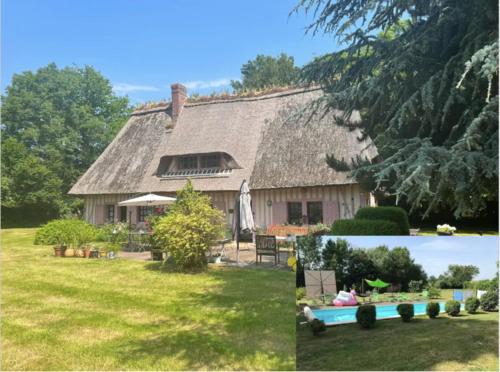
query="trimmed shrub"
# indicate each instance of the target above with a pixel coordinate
(406, 311)
(471, 305)
(66, 232)
(395, 214)
(317, 326)
(434, 292)
(489, 301)
(188, 230)
(452, 307)
(300, 293)
(364, 227)
(432, 309)
(366, 315)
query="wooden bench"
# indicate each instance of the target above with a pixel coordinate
(265, 245)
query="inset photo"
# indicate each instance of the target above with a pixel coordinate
(397, 303)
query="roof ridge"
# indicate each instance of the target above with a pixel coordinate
(208, 100)
(264, 96)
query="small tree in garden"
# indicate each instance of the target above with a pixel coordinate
(489, 301)
(189, 228)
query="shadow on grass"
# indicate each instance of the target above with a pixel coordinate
(467, 342)
(246, 323)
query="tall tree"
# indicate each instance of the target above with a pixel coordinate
(457, 275)
(55, 122)
(427, 92)
(335, 256)
(267, 71)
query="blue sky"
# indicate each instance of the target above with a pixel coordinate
(435, 253)
(144, 46)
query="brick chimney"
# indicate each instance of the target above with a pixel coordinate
(179, 96)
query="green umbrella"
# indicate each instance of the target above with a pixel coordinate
(377, 283)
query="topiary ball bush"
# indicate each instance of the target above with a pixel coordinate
(471, 305)
(432, 309)
(366, 315)
(406, 311)
(317, 326)
(365, 227)
(395, 214)
(452, 307)
(489, 301)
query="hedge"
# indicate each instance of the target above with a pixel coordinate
(432, 309)
(365, 227)
(471, 305)
(366, 316)
(452, 307)
(395, 214)
(406, 311)
(489, 300)
(317, 326)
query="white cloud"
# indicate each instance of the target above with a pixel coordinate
(124, 88)
(203, 84)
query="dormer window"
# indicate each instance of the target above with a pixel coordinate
(187, 162)
(214, 164)
(210, 161)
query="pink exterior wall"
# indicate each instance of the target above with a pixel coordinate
(338, 202)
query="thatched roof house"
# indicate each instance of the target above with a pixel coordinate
(275, 141)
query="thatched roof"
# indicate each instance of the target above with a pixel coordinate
(271, 145)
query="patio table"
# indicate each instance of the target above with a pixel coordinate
(139, 241)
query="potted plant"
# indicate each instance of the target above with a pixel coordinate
(86, 251)
(53, 233)
(85, 233)
(113, 249)
(445, 230)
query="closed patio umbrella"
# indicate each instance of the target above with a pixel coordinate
(147, 200)
(243, 216)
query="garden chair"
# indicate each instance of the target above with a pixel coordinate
(265, 245)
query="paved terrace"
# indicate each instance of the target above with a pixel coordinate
(247, 256)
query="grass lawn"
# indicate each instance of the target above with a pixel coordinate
(83, 314)
(467, 342)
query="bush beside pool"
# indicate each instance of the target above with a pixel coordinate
(344, 315)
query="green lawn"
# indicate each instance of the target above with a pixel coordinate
(82, 314)
(467, 342)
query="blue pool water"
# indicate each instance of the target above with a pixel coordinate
(348, 314)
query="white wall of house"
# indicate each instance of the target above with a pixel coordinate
(269, 206)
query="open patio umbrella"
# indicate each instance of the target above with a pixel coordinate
(243, 216)
(377, 283)
(147, 200)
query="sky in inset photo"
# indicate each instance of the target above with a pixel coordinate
(435, 253)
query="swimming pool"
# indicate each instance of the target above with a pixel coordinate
(341, 315)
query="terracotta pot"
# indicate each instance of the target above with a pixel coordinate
(86, 252)
(59, 251)
(69, 252)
